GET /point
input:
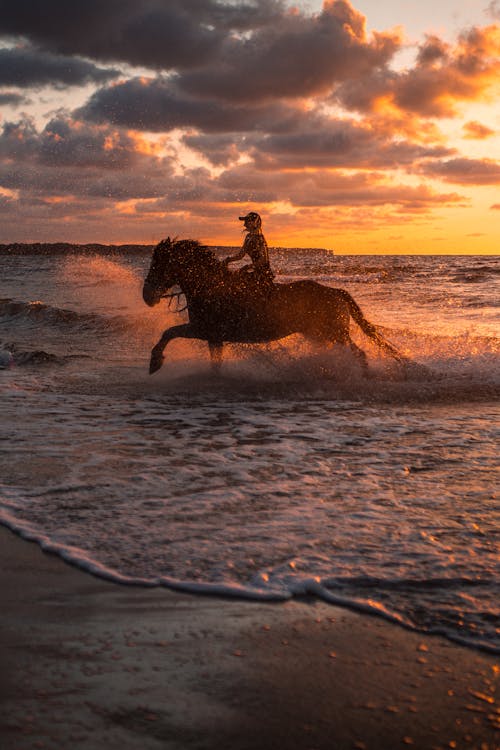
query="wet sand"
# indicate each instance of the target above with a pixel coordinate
(88, 664)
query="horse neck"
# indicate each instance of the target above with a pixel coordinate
(198, 281)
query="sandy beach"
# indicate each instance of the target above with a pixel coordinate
(89, 664)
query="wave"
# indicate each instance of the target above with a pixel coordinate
(374, 269)
(334, 270)
(333, 278)
(38, 312)
(261, 589)
(475, 274)
(12, 356)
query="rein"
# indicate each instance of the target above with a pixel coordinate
(177, 296)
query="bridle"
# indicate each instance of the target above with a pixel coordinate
(177, 296)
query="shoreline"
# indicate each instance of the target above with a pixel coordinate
(91, 664)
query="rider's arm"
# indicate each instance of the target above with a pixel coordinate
(234, 258)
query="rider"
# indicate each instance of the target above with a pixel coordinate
(255, 246)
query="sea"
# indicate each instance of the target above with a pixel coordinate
(293, 472)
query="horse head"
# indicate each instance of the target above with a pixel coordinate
(174, 263)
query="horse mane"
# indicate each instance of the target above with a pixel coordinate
(194, 250)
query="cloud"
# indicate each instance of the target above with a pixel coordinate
(63, 142)
(337, 144)
(494, 9)
(220, 149)
(12, 99)
(300, 56)
(443, 76)
(156, 104)
(263, 92)
(275, 135)
(68, 157)
(474, 129)
(322, 188)
(310, 139)
(242, 51)
(152, 33)
(495, 207)
(27, 66)
(465, 171)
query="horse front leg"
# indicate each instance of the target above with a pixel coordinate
(216, 349)
(184, 331)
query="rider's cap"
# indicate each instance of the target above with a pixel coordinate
(253, 216)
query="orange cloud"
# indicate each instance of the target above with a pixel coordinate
(59, 199)
(443, 76)
(147, 146)
(465, 171)
(474, 129)
(446, 75)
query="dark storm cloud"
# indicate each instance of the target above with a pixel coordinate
(27, 66)
(156, 104)
(152, 33)
(242, 51)
(300, 56)
(465, 171)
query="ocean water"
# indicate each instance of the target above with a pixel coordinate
(289, 474)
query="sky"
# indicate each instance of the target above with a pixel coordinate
(361, 127)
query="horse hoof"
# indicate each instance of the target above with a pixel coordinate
(155, 362)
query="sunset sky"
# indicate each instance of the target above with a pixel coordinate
(371, 127)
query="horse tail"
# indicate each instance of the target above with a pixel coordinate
(370, 330)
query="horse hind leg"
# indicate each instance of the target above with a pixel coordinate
(360, 356)
(216, 351)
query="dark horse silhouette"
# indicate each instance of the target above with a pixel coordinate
(228, 306)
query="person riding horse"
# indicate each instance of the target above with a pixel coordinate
(255, 246)
(219, 314)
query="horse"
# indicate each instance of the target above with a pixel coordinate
(231, 307)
